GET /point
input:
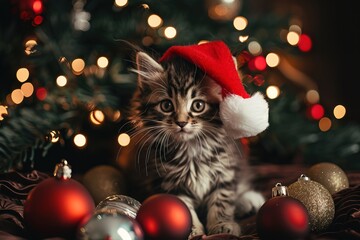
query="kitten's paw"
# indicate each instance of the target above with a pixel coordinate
(249, 202)
(196, 231)
(229, 227)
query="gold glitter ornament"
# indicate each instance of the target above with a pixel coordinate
(330, 175)
(317, 200)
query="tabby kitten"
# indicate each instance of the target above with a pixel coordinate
(179, 146)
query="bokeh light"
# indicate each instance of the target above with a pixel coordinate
(102, 62)
(272, 60)
(295, 28)
(29, 46)
(312, 96)
(292, 38)
(97, 117)
(27, 89)
(41, 93)
(124, 139)
(121, 3)
(259, 63)
(116, 116)
(243, 38)
(170, 32)
(17, 96)
(272, 92)
(240, 23)
(305, 43)
(154, 21)
(37, 6)
(325, 124)
(254, 48)
(80, 140)
(78, 65)
(54, 136)
(316, 111)
(339, 111)
(147, 41)
(38, 20)
(3, 112)
(61, 81)
(22, 74)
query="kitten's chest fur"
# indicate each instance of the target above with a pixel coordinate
(193, 167)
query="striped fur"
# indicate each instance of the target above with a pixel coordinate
(179, 146)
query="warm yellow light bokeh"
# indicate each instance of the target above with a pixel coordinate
(339, 111)
(121, 3)
(272, 92)
(170, 32)
(240, 23)
(293, 38)
(154, 21)
(27, 89)
(17, 96)
(80, 140)
(61, 81)
(102, 62)
(78, 65)
(22, 74)
(272, 60)
(123, 139)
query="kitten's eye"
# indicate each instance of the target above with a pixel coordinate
(166, 105)
(198, 106)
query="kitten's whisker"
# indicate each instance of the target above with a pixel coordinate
(159, 144)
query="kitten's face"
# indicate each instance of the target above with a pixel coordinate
(175, 102)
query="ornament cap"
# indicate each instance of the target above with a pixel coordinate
(279, 190)
(303, 177)
(62, 170)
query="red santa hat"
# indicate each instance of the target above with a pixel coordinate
(242, 115)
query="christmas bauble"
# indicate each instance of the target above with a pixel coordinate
(164, 217)
(111, 226)
(317, 200)
(120, 204)
(330, 175)
(103, 181)
(57, 205)
(282, 217)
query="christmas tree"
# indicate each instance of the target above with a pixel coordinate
(66, 82)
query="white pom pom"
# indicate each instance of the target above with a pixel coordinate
(244, 117)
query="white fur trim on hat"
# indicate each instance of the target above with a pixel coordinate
(244, 117)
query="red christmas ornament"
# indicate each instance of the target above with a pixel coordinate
(56, 206)
(282, 217)
(164, 217)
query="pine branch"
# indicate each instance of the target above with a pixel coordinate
(24, 132)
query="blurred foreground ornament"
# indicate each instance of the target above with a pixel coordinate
(164, 217)
(119, 204)
(317, 200)
(57, 205)
(330, 175)
(103, 181)
(104, 225)
(282, 217)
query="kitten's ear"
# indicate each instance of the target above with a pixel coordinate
(147, 68)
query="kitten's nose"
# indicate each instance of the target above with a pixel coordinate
(181, 124)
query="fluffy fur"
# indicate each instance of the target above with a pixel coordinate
(179, 146)
(252, 111)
